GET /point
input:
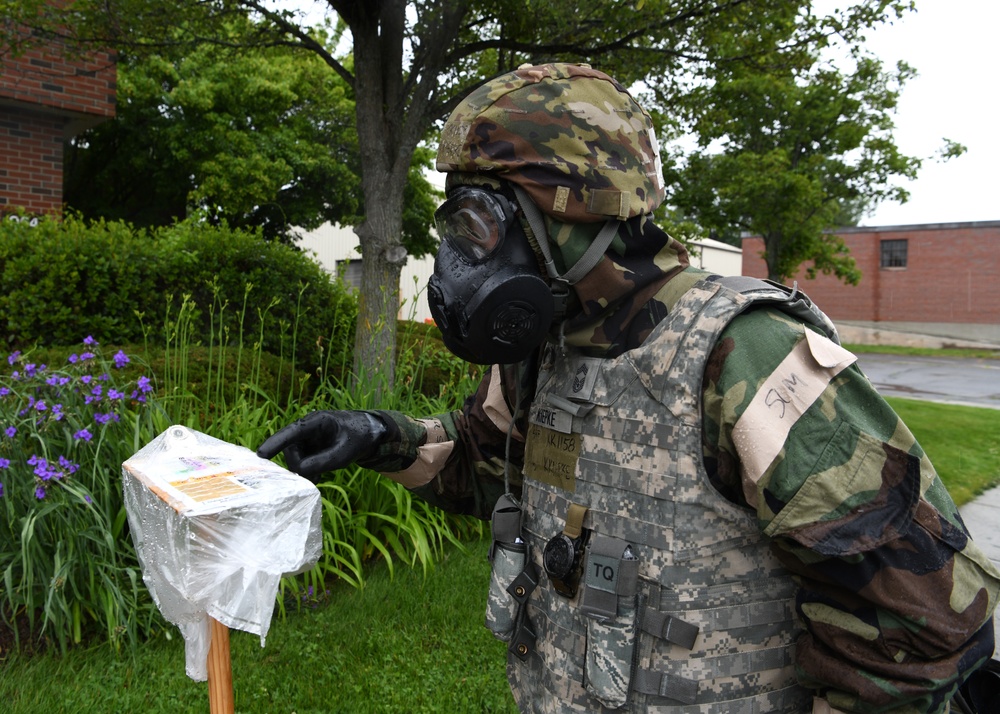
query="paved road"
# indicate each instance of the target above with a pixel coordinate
(975, 382)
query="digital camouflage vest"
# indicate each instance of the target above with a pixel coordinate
(681, 607)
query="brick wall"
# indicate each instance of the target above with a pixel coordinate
(46, 97)
(31, 161)
(46, 77)
(952, 275)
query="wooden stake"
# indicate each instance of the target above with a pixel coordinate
(220, 671)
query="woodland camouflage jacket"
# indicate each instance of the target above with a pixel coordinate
(895, 598)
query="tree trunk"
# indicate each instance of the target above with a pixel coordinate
(382, 259)
(391, 120)
(385, 156)
(772, 255)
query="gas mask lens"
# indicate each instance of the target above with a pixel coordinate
(474, 220)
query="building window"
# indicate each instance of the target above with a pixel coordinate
(350, 272)
(894, 253)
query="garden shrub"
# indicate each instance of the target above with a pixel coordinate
(248, 279)
(63, 279)
(60, 281)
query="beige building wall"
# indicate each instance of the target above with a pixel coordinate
(336, 249)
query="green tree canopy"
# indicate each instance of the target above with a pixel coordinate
(256, 137)
(784, 147)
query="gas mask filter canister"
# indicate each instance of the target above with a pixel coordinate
(487, 294)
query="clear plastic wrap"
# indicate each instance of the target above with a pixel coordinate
(215, 528)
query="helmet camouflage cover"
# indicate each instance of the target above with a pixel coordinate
(572, 137)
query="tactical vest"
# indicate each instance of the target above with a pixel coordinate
(681, 606)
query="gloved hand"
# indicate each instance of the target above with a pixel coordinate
(326, 440)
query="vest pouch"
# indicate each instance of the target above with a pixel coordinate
(508, 554)
(501, 607)
(610, 603)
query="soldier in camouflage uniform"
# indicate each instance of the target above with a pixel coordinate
(699, 503)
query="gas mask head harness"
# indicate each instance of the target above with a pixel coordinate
(487, 293)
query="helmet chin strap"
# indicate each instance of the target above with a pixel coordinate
(587, 262)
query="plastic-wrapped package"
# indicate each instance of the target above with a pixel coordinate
(215, 527)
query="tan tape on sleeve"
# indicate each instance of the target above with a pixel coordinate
(821, 706)
(431, 458)
(435, 431)
(495, 406)
(760, 433)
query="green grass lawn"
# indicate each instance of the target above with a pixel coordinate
(407, 644)
(962, 442)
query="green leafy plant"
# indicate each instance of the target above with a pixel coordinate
(64, 558)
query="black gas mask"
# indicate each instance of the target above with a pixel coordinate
(487, 294)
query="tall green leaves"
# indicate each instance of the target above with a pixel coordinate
(65, 562)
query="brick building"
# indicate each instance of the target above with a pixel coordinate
(47, 96)
(936, 279)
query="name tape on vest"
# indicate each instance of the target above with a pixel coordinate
(550, 457)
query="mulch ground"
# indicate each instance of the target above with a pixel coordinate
(16, 637)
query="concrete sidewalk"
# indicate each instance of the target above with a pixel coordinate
(982, 516)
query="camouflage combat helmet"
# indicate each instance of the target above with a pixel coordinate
(572, 137)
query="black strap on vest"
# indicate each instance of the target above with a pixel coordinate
(788, 299)
(669, 628)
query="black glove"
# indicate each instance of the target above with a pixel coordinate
(326, 440)
(981, 691)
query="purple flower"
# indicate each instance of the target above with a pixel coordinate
(47, 472)
(42, 468)
(89, 341)
(105, 418)
(115, 394)
(12, 357)
(4, 463)
(57, 412)
(143, 384)
(95, 395)
(120, 359)
(40, 493)
(30, 369)
(4, 391)
(10, 431)
(86, 378)
(86, 497)
(86, 355)
(53, 380)
(83, 434)
(40, 406)
(73, 358)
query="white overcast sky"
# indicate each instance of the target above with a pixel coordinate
(953, 45)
